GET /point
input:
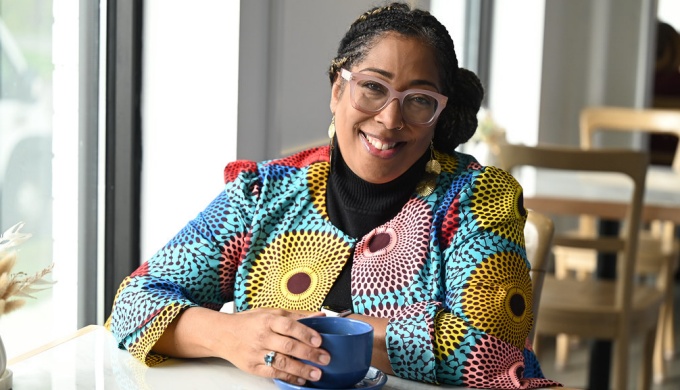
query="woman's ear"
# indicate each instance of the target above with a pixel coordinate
(336, 93)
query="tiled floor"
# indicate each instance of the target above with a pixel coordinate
(576, 373)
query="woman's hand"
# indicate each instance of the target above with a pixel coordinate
(261, 331)
(245, 338)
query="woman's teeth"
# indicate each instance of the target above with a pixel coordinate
(378, 144)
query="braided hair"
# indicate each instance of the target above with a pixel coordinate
(458, 121)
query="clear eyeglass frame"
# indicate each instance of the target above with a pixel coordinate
(354, 78)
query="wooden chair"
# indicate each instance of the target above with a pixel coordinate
(598, 308)
(594, 120)
(657, 245)
(538, 235)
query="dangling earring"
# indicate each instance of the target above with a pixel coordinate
(433, 167)
(432, 170)
(331, 128)
(331, 135)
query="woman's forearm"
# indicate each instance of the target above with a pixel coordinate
(245, 338)
(193, 334)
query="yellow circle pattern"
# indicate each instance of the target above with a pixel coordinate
(447, 162)
(489, 291)
(319, 255)
(317, 179)
(451, 331)
(498, 195)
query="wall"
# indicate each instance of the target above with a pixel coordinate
(189, 107)
(516, 61)
(551, 58)
(284, 94)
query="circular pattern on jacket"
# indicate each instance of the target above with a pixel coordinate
(296, 270)
(317, 180)
(497, 195)
(393, 253)
(299, 283)
(493, 364)
(447, 162)
(497, 297)
(451, 330)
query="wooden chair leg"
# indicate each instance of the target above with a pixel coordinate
(650, 343)
(669, 317)
(669, 336)
(536, 345)
(664, 331)
(620, 366)
(667, 232)
(561, 351)
(659, 362)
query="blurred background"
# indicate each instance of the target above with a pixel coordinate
(117, 117)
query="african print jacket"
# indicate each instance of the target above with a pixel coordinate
(449, 270)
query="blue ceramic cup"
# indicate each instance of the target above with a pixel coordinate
(350, 344)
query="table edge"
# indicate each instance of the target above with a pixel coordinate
(54, 343)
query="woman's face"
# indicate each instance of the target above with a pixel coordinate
(372, 144)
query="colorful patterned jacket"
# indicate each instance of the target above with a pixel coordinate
(450, 270)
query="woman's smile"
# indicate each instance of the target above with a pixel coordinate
(380, 147)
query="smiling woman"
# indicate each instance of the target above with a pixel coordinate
(388, 221)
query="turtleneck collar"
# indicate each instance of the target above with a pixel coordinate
(357, 206)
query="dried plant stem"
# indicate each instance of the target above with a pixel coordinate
(14, 288)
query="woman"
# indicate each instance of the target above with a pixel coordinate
(388, 221)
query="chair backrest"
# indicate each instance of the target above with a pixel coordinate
(538, 235)
(622, 119)
(632, 164)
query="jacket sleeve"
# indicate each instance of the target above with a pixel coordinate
(474, 333)
(196, 268)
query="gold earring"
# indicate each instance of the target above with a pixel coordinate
(433, 166)
(432, 170)
(331, 135)
(331, 128)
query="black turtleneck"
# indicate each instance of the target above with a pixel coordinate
(356, 207)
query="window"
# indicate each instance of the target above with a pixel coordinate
(191, 79)
(41, 150)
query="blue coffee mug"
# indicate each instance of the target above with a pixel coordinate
(350, 344)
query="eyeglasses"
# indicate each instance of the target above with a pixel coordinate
(371, 95)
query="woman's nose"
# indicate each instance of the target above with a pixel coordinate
(390, 116)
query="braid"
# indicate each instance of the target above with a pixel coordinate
(458, 121)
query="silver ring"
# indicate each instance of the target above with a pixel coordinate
(401, 127)
(269, 358)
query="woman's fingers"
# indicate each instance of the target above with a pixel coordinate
(279, 331)
(290, 327)
(290, 370)
(291, 338)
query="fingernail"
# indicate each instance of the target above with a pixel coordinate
(315, 374)
(301, 381)
(316, 340)
(324, 359)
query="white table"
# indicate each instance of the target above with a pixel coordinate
(603, 194)
(90, 359)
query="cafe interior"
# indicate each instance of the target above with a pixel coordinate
(117, 118)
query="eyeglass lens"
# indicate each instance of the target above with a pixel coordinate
(373, 96)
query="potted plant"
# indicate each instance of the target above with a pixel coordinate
(15, 287)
